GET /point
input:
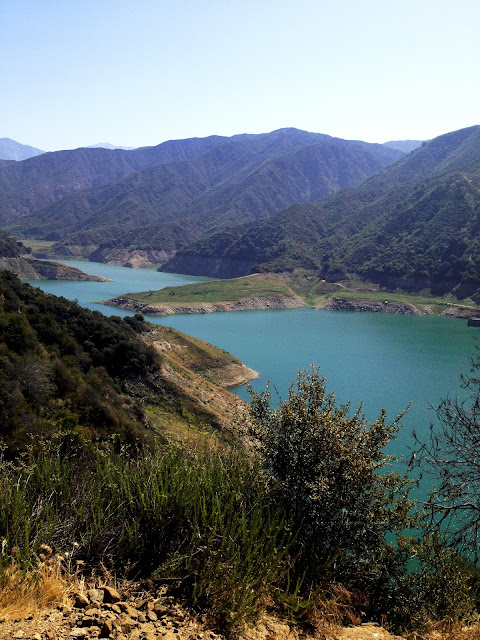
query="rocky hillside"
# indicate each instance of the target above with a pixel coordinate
(133, 613)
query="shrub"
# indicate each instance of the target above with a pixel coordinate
(331, 474)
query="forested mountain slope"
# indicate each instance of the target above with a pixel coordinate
(28, 186)
(414, 224)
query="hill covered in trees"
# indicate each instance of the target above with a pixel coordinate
(414, 224)
(66, 371)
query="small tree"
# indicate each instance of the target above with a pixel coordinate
(451, 457)
(331, 472)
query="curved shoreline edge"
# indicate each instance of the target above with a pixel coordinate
(288, 302)
(246, 304)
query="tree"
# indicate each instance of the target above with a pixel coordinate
(330, 471)
(451, 458)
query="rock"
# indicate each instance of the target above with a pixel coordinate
(78, 633)
(127, 623)
(151, 615)
(160, 610)
(111, 595)
(81, 601)
(106, 629)
(95, 595)
(128, 609)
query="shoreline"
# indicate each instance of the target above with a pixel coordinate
(358, 305)
(245, 304)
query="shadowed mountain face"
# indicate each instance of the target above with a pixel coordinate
(415, 224)
(158, 199)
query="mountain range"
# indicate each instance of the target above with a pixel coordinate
(400, 214)
(158, 199)
(413, 225)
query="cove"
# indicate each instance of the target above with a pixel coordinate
(382, 360)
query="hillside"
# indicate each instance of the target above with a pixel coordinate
(414, 224)
(15, 257)
(160, 209)
(404, 145)
(28, 186)
(66, 369)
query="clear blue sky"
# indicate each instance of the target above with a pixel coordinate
(138, 72)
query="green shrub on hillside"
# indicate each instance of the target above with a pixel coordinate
(326, 462)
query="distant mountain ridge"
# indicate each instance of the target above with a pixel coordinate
(158, 199)
(13, 150)
(107, 145)
(404, 145)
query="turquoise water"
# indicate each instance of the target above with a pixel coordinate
(381, 360)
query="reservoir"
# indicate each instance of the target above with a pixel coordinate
(379, 360)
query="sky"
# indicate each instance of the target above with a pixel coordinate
(139, 72)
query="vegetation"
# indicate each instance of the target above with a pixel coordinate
(232, 536)
(201, 521)
(451, 457)
(320, 511)
(326, 461)
(67, 370)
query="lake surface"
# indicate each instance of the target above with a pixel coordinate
(382, 360)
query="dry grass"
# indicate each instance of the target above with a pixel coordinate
(449, 630)
(24, 593)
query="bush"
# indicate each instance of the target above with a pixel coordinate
(331, 474)
(450, 456)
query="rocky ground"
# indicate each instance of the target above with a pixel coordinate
(106, 612)
(349, 304)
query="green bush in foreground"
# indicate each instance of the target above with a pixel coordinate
(351, 511)
(332, 476)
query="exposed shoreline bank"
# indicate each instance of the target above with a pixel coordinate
(246, 304)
